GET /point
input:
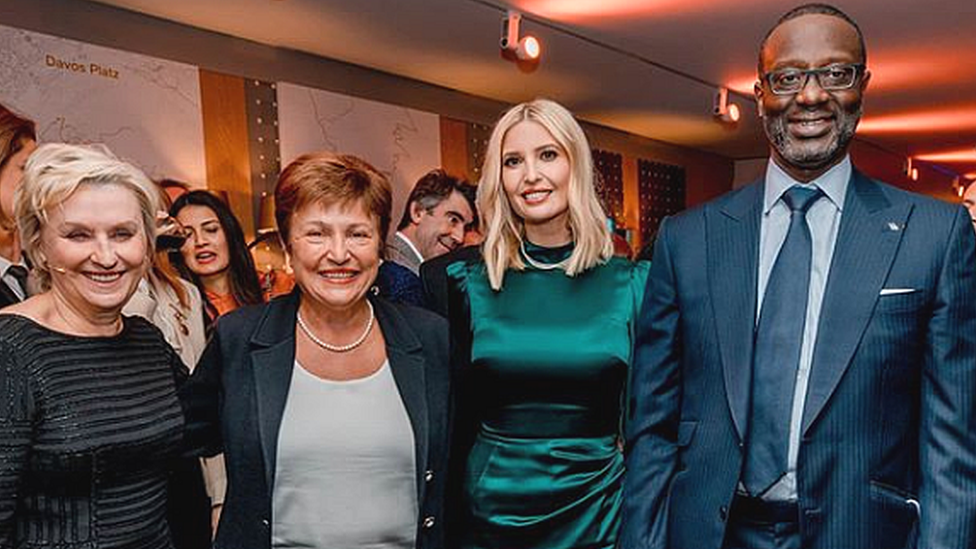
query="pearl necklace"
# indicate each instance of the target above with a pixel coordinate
(338, 348)
(542, 266)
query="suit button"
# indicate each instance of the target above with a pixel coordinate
(428, 475)
(265, 523)
(429, 522)
(723, 513)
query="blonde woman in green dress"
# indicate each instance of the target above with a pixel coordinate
(543, 328)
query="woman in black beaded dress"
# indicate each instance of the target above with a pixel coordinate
(89, 418)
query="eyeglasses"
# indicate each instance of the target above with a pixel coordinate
(830, 78)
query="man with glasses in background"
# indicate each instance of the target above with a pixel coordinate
(805, 369)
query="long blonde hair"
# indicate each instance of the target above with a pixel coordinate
(503, 229)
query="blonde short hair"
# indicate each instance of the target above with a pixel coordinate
(502, 227)
(54, 172)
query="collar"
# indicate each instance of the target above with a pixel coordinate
(410, 245)
(6, 264)
(834, 183)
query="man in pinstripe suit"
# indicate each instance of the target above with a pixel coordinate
(856, 429)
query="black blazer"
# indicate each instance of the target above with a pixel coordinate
(7, 296)
(433, 276)
(236, 397)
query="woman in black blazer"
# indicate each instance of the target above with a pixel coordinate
(288, 390)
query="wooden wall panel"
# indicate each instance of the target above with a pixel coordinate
(454, 147)
(226, 143)
(632, 202)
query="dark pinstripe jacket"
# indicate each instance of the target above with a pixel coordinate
(888, 449)
(7, 296)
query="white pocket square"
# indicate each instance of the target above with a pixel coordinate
(896, 291)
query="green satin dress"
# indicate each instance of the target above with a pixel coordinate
(543, 395)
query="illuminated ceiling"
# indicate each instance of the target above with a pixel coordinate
(643, 66)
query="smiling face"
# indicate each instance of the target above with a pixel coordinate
(810, 130)
(95, 247)
(205, 251)
(441, 229)
(335, 252)
(536, 177)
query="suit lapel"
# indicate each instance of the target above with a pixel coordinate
(7, 296)
(868, 238)
(732, 241)
(403, 350)
(272, 363)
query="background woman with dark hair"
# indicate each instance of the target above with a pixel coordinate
(17, 142)
(215, 256)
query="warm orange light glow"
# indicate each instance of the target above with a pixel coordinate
(970, 175)
(918, 66)
(734, 113)
(943, 120)
(529, 48)
(914, 174)
(583, 9)
(967, 154)
(589, 10)
(743, 84)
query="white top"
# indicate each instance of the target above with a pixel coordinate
(345, 473)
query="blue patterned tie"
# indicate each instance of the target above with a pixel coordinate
(777, 348)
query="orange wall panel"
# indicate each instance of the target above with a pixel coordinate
(226, 143)
(454, 147)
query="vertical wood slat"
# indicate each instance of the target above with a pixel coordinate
(632, 202)
(225, 137)
(454, 147)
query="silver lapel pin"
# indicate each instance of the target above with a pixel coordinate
(892, 226)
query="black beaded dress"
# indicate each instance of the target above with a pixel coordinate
(88, 429)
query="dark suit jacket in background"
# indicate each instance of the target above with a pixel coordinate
(7, 296)
(433, 276)
(236, 397)
(401, 253)
(398, 284)
(889, 424)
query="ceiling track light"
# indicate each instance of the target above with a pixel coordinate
(526, 48)
(723, 109)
